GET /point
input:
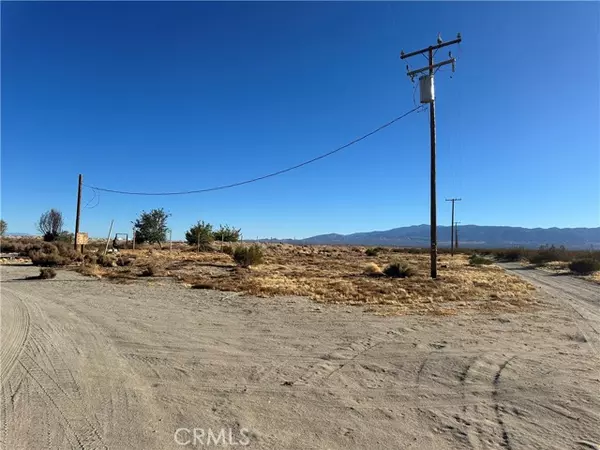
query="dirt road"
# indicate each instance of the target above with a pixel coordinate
(88, 364)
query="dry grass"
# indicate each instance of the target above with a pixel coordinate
(340, 275)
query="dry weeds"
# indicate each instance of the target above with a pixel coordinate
(331, 274)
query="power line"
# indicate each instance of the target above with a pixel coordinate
(273, 174)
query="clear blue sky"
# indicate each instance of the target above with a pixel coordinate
(175, 96)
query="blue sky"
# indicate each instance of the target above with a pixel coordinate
(177, 96)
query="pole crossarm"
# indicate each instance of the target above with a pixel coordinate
(403, 55)
(412, 73)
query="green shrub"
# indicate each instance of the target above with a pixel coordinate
(47, 273)
(226, 233)
(151, 227)
(248, 256)
(201, 233)
(584, 266)
(476, 260)
(399, 269)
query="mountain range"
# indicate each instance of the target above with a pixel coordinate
(469, 236)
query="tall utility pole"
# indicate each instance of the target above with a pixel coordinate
(456, 234)
(430, 69)
(78, 215)
(452, 226)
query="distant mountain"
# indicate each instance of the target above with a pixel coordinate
(473, 236)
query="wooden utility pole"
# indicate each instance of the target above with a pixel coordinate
(452, 224)
(78, 215)
(430, 70)
(456, 234)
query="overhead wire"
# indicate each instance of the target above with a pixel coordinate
(96, 195)
(270, 175)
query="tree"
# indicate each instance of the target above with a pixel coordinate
(50, 224)
(227, 234)
(3, 227)
(201, 233)
(151, 227)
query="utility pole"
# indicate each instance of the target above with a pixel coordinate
(427, 81)
(78, 215)
(456, 234)
(452, 226)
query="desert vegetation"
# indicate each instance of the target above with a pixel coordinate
(394, 282)
(151, 227)
(377, 277)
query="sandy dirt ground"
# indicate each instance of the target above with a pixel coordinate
(90, 364)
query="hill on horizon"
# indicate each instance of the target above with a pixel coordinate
(469, 236)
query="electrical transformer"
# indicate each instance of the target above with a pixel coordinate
(427, 90)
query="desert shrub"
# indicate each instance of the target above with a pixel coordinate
(21, 246)
(107, 260)
(546, 254)
(65, 236)
(227, 249)
(124, 261)
(47, 273)
(67, 252)
(90, 258)
(373, 270)
(40, 258)
(414, 250)
(226, 233)
(7, 246)
(584, 266)
(373, 251)
(477, 260)
(511, 255)
(248, 256)
(149, 271)
(399, 269)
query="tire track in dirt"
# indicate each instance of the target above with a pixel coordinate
(505, 438)
(317, 374)
(474, 438)
(13, 336)
(41, 365)
(14, 332)
(581, 296)
(66, 404)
